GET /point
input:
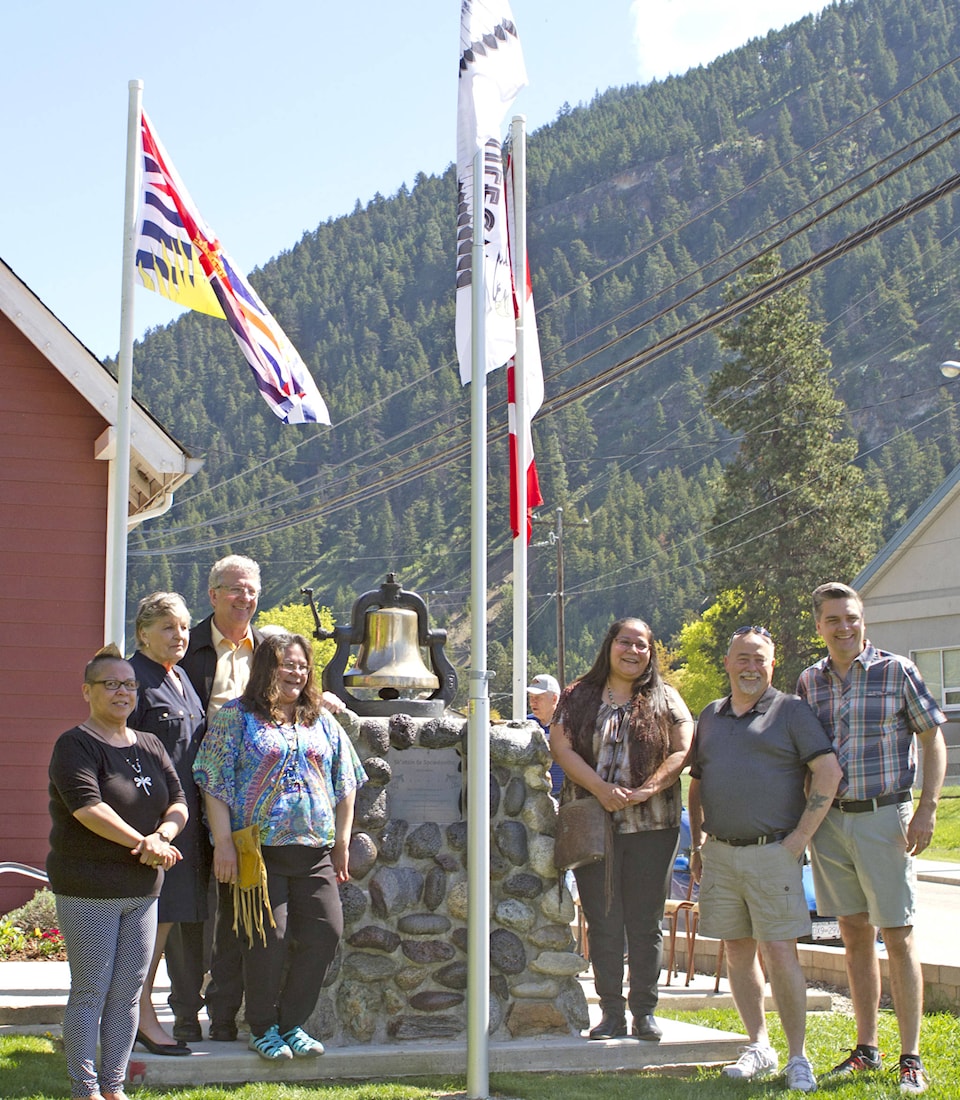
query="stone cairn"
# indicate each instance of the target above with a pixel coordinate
(401, 970)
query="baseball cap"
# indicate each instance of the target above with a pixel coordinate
(544, 682)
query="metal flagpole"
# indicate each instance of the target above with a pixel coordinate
(518, 202)
(478, 724)
(115, 601)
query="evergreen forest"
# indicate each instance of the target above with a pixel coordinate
(831, 149)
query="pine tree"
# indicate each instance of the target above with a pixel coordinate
(794, 510)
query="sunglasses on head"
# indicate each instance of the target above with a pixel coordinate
(761, 630)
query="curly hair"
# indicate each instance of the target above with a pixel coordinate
(262, 693)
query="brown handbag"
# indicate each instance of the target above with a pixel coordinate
(584, 833)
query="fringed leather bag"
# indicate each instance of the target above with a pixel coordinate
(584, 833)
(250, 896)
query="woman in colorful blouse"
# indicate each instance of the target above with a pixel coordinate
(274, 759)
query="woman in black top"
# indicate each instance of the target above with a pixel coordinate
(116, 805)
(168, 706)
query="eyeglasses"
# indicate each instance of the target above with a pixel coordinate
(761, 630)
(238, 591)
(288, 667)
(116, 685)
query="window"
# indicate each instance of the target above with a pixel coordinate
(941, 670)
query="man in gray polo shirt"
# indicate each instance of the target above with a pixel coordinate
(751, 756)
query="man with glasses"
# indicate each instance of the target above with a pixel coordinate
(876, 708)
(752, 757)
(217, 662)
(221, 645)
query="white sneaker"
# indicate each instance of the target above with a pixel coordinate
(913, 1079)
(799, 1075)
(756, 1060)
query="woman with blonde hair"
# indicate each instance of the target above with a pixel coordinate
(169, 707)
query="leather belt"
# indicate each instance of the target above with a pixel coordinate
(868, 805)
(740, 842)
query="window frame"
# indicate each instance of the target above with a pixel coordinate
(941, 689)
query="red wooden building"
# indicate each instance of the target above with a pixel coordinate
(57, 416)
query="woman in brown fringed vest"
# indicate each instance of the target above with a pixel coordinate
(621, 734)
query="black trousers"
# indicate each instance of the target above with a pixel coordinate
(224, 994)
(283, 977)
(642, 864)
(186, 968)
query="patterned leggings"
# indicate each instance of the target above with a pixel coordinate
(109, 944)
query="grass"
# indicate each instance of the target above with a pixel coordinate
(31, 1068)
(946, 836)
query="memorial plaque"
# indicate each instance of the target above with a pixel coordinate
(425, 785)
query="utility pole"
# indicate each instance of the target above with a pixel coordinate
(555, 538)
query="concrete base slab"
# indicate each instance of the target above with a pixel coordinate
(232, 1063)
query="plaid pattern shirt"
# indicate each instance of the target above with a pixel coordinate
(872, 718)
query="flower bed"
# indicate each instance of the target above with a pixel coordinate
(31, 931)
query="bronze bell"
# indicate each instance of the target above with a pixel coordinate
(390, 625)
(389, 659)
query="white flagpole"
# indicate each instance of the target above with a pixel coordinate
(478, 724)
(518, 202)
(115, 602)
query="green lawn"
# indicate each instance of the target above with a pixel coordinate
(946, 836)
(31, 1067)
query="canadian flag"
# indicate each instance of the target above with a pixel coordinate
(532, 384)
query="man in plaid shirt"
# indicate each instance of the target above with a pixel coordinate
(876, 708)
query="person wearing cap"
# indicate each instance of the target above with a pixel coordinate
(753, 753)
(543, 692)
(877, 709)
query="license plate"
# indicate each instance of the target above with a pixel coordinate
(824, 930)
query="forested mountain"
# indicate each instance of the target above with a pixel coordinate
(822, 140)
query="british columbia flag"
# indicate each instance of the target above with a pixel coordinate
(179, 256)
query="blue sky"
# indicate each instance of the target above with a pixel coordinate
(279, 115)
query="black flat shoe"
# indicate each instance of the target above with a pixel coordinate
(610, 1027)
(171, 1050)
(646, 1028)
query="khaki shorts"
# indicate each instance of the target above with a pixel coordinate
(860, 865)
(755, 892)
